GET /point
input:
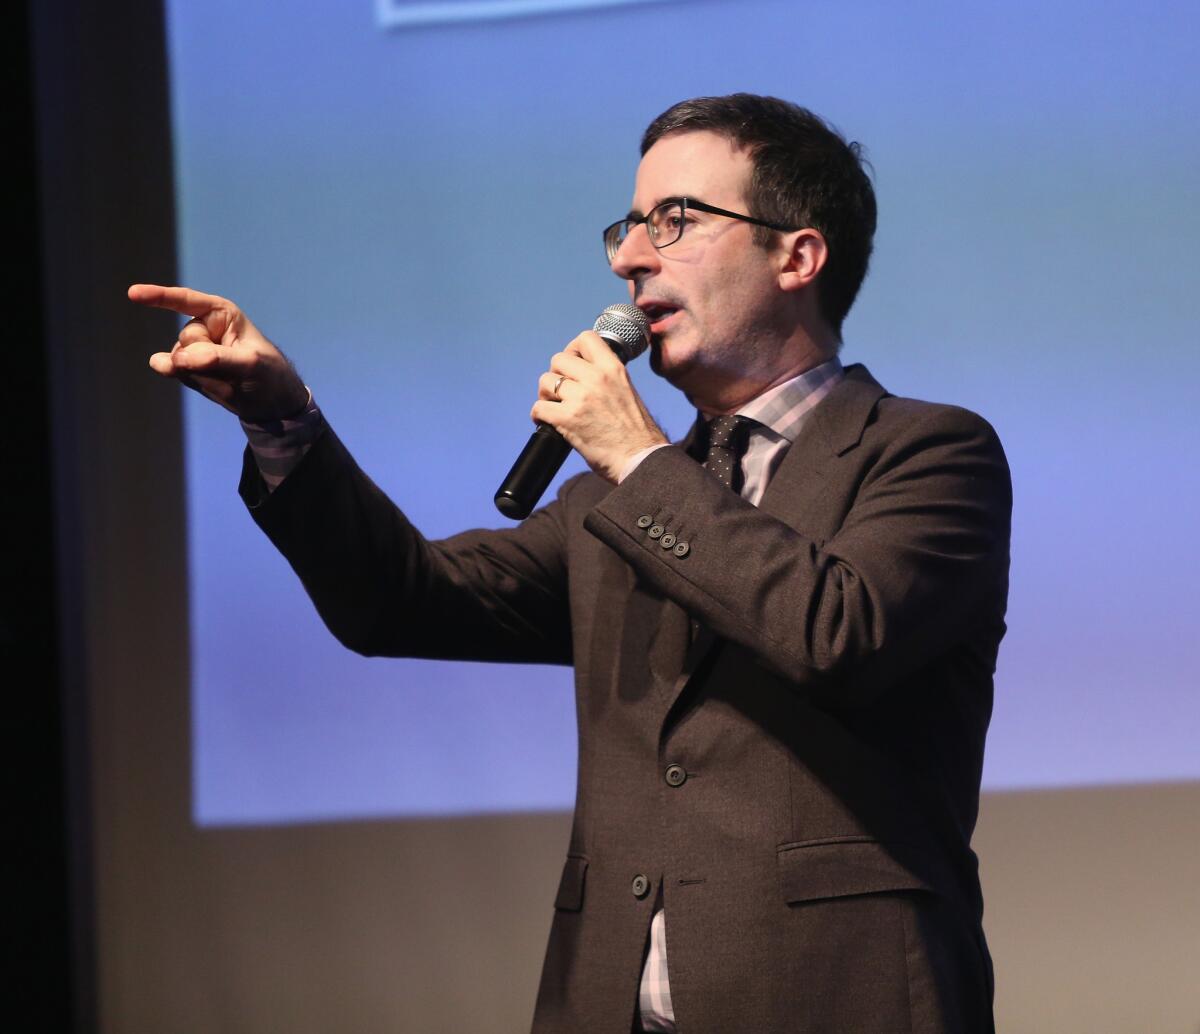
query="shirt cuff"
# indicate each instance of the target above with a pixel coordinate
(637, 458)
(279, 445)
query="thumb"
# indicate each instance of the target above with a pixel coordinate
(162, 364)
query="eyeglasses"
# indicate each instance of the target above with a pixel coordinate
(665, 223)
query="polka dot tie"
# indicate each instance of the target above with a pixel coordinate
(728, 437)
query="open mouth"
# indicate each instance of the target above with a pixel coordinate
(659, 316)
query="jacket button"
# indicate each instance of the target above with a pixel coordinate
(645, 520)
(682, 549)
(640, 886)
(667, 541)
(656, 531)
(675, 775)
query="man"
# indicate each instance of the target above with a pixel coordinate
(783, 656)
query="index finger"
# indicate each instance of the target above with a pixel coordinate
(591, 346)
(178, 299)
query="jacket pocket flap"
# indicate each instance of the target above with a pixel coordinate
(570, 887)
(840, 868)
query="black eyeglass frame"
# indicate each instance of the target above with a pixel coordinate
(610, 231)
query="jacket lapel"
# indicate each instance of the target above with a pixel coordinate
(835, 427)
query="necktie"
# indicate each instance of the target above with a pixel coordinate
(728, 437)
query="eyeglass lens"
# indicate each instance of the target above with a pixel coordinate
(664, 224)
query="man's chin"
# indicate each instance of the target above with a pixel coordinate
(667, 362)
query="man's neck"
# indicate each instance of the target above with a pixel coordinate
(735, 396)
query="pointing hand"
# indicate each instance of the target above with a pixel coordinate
(222, 355)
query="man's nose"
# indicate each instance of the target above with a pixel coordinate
(636, 256)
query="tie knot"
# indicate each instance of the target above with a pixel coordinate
(729, 432)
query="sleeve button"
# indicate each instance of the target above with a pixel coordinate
(682, 549)
(667, 541)
(656, 531)
(645, 520)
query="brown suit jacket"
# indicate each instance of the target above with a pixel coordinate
(801, 783)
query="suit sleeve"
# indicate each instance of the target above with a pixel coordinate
(383, 589)
(921, 555)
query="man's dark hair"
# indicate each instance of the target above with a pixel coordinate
(805, 175)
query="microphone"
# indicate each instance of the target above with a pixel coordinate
(627, 332)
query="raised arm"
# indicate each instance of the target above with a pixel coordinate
(380, 586)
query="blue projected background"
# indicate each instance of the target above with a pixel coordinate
(413, 214)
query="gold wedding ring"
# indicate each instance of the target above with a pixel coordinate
(557, 385)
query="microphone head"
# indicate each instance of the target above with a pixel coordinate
(626, 329)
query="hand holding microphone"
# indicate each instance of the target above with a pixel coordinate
(585, 402)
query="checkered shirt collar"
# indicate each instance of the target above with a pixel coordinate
(785, 407)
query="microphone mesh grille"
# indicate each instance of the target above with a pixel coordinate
(626, 329)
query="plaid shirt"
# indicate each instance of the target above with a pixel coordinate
(778, 414)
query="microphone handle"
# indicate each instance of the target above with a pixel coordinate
(535, 468)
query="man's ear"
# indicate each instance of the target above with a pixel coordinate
(807, 253)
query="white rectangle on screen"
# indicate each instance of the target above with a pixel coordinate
(400, 14)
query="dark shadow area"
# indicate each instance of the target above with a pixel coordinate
(43, 833)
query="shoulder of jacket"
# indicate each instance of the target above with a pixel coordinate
(897, 411)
